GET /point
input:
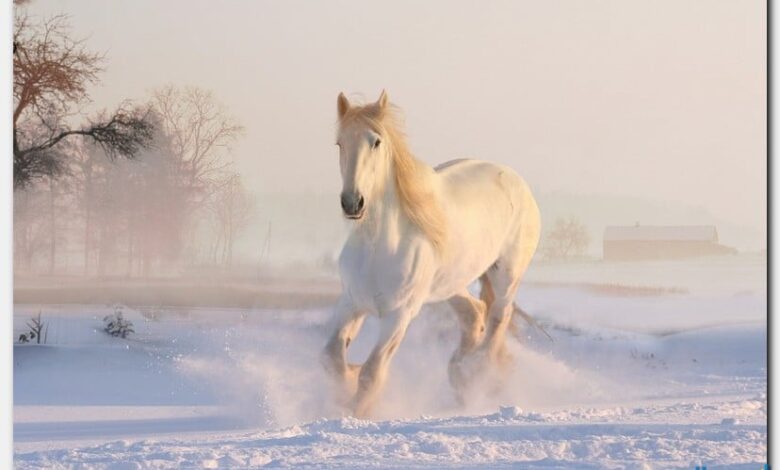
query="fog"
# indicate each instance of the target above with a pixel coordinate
(614, 112)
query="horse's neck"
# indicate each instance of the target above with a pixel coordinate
(384, 214)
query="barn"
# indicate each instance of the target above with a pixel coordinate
(656, 242)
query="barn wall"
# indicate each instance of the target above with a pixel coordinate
(660, 249)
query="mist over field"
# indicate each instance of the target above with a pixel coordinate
(630, 112)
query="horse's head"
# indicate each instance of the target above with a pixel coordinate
(364, 155)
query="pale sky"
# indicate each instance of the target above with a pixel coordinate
(656, 100)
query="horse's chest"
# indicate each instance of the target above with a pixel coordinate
(379, 279)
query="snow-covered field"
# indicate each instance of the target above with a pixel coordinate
(655, 378)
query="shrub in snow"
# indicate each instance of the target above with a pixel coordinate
(38, 331)
(116, 325)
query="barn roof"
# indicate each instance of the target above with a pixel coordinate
(662, 232)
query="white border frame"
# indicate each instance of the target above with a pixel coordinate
(6, 245)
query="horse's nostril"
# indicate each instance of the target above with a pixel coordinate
(352, 203)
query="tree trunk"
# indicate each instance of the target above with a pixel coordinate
(52, 229)
(101, 253)
(130, 248)
(87, 221)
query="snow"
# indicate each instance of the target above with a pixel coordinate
(671, 379)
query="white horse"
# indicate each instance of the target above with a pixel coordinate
(423, 235)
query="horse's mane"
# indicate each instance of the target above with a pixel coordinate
(412, 177)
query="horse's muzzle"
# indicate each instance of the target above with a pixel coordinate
(353, 204)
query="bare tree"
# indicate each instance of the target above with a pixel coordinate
(232, 207)
(51, 74)
(568, 238)
(133, 212)
(201, 132)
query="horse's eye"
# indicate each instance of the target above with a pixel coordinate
(377, 142)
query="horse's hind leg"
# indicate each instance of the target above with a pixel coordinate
(504, 276)
(471, 317)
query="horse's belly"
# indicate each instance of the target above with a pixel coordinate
(458, 273)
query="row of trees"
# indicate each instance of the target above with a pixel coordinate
(134, 190)
(131, 191)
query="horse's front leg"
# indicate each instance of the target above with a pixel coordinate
(334, 357)
(374, 371)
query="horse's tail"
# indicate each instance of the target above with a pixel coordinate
(528, 318)
(487, 295)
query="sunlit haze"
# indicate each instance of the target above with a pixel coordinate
(616, 112)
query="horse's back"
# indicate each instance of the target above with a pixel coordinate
(491, 211)
(469, 181)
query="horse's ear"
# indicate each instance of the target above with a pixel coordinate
(382, 101)
(343, 105)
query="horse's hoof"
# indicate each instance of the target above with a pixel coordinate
(360, 410)
(463, 373)
(480, 371)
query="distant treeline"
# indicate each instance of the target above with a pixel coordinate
(133, 191)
